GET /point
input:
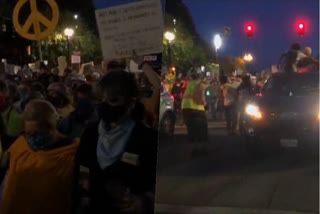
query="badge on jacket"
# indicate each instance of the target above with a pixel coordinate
(130, 158)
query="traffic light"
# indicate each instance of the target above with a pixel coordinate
(249, 30)
(301, 29)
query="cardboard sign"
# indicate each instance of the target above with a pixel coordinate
(75, 59)
(135, 26)
(62, 65)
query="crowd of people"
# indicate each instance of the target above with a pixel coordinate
(75, 144)
(223, 98)
(228, 95)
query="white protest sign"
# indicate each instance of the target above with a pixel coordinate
(76, 57)
(135, 26)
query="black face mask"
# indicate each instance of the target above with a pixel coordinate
(55, 101)
(111, 114)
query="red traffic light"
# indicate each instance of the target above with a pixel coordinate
(249, 30)
(301, 29)
(301, 26)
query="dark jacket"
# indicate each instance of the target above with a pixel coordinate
(139, 179)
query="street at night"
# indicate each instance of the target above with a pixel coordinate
(244, 78)
(222, 177)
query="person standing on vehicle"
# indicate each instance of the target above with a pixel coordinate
(308, 61)
(193, 110)
(288, 61)
(230, 104)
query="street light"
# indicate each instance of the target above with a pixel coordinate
(217, 41)
(248, 57)
(68, 32)
(170, 37)
(75, 16)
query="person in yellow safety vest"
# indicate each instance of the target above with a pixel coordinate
(193, 110)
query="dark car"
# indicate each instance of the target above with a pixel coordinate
(285, 113)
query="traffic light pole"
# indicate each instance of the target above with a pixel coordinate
(169, 53)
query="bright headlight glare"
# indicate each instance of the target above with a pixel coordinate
(254, 111)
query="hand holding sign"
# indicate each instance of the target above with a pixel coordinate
(137, 59)
(35, 19)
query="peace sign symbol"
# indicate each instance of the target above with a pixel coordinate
(35, 19)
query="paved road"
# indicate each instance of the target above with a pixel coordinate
(227, 180)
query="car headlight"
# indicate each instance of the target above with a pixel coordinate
(253, 111)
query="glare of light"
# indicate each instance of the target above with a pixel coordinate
(76, 16)
(217, 41)
(253, 110)
(202, 68)
(249, 27)
(69, 32)
(248, 57)
(169, 36)
(301, 26)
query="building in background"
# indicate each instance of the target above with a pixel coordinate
(13, 48)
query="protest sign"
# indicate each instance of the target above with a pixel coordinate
(136, 26)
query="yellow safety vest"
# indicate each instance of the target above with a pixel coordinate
(188, 102)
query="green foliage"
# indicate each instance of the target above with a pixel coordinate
(189, 49)
(83, 40)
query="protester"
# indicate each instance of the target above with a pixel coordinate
(58, 96)
(119, 151)
(40, 175)
(193, 110)
(245, 92)
(230, 104)
(74, 124)
(11, 118)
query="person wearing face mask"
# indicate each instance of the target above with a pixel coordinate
(57, 95)
(74, 124)
(119, 151)
(41, 170)
(11, 118)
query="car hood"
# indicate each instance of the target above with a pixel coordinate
(279, 104)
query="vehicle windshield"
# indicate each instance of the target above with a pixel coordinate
(297, 84)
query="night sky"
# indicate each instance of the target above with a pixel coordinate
(274, 22)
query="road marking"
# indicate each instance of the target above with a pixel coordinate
(179, 209)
